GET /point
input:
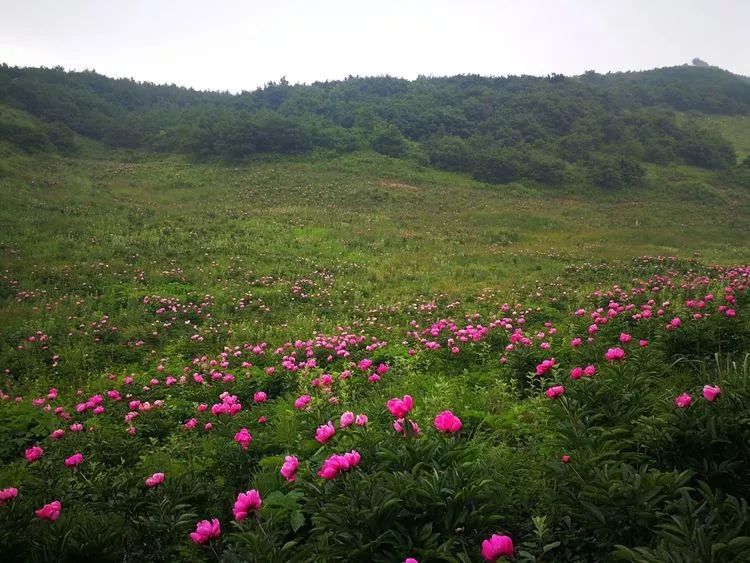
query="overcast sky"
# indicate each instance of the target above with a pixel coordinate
(235, 45)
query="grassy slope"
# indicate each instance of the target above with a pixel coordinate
(734, 128)
(388, 230)
(91, 237)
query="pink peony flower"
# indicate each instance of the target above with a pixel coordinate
(205, 531)
(361, 420)
(447, 422)
(336, 463)
(8, 494)
(289, 468)
(614, 354)
(50, 511)
(544, 367)
(554, 392)
(566, 458)
(711, 392)
(683, 401)
(399, 426)
(34, 453)
(302, 402)
(74, 460)
(155, 479)
(246, 502)
(325, 432)
(347, 419)
(243, 438)
(260, 397)
(497, 547)
(399, 408)
(576, 373)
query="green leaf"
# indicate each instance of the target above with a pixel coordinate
(297, 520)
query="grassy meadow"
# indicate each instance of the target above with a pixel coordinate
(166, 282)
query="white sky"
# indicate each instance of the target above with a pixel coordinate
(235, 45)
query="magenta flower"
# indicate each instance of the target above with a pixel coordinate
(447, 422)
(554, 392)
(34, 453)
(616, 354)
(361, 420)
(155, 479)
(399, 425)
(205, 531)
(302, 402)
(711, 392)
(74, 460)
(496, 547)
(347, 419)
(576, 373)
(565, 458)
(683, 401)
(243, 438)
(246, 503)
(337, 463)
(544, 367)
(325, 432)
(260, 397)
(289, 468)
(50, 511)
(8, 494)
(399, 408)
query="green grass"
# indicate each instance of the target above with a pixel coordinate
(375, 243)
(734, 128)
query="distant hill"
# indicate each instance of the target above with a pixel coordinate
(499, 129)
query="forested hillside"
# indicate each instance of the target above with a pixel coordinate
(596, 128)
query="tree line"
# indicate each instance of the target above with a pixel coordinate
(498, 129)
